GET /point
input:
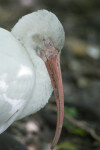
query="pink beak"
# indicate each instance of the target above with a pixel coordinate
(51, 58)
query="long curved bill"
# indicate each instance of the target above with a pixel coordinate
(51, 58)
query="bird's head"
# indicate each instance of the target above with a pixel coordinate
(43, 32)
(34, 28)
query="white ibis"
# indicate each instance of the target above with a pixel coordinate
(30, 67)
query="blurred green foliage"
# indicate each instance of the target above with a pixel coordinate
(66, 145)
(71, 111)
(74, 130)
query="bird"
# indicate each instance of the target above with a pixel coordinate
(30, 68)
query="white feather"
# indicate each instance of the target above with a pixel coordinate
(16, 90)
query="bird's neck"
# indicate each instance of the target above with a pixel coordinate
(43, 88)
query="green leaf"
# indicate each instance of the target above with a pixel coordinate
(73, 129)
(79, 131)
(71, 111)
(67, 145)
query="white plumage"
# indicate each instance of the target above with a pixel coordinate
(25, 85)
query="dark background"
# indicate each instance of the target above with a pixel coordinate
(80, 61)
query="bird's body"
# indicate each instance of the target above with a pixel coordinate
(25, 86)
(25, 80)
